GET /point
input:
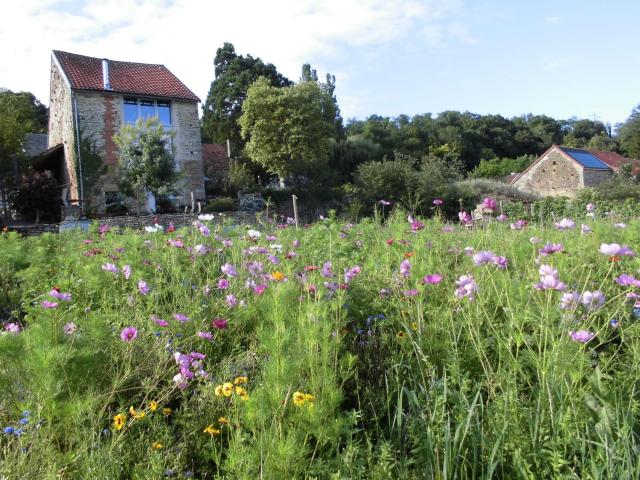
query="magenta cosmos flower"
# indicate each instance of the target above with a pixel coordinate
(143, 288)
(129, 334)
(58, 295)
(565, 224)
(405, 268)
(110, 267)
(465, 218)
(181, 317)
(48, 304)
(219, 323)
(438, 201)
(432, 279)
(489, 204)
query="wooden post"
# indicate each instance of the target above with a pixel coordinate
(295, 208)
(193, 203)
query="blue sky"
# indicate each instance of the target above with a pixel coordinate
(561, 58)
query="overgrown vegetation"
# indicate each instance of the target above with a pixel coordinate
(376, 350)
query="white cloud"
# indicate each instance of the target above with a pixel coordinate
(551, 20)
(184, 35)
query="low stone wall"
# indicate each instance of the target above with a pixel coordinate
(140, 221)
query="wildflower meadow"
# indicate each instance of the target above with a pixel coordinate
(397, 347)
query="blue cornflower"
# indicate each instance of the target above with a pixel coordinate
(8, 430)
(17, 432)
(614, 323)
(26, 413)
(24, 421)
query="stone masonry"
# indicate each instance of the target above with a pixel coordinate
(556, 175)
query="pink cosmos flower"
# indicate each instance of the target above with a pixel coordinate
(229, 270)
(550, 249)
(565, 224)
(437, 202)
(581, 336)
(384, 292)
(569, 300)
(259, 289)
(550, 282)
(484, 257)
(465, 218)
(620, 225)
(416, 225)
(223, 284)
(592, 300)
(110, 267)
(273, 259)
(143, 288)
(12, 328)
(384, 203)
(201, 249)
(466, 287)
(627, 280)
(205, 335)
(502, 218)
(48, 304)
(326, 270)
(519, 224)
(176, 243)
(220, 323)
(231, 300)
(432, 279)
(410, 293)
(126, 271)
(614, 249)
(129, 334)
(405, 268)
(351, 273)
(58, 295)
(585, 229)
(489, 204)
(69, 328)
(181, 317)
(590, 207)
(159, 321)
(180, 380)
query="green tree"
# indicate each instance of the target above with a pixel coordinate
(145, 163)
(629, 134)
(20, 113)
(234, 74)
(330, 108)
(285, 128)
(36, 196)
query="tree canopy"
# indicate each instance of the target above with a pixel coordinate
(629, 134)
(145, 163)
(234, 74)
(286, 129)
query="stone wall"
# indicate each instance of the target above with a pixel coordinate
(592, 178)
(188, 148)
(553, 175)
(61, 124)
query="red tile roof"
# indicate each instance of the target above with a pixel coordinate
(215, 156)
(85, 73)
(614, 160)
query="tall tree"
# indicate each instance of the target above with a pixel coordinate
(20, 113)
(629, 134)
(286, 129)
(234, 74)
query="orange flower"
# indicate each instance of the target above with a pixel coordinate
(277, 276)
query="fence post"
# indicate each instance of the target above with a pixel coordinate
(295, 209)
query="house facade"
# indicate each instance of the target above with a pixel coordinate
(91, 98)
(563, 171)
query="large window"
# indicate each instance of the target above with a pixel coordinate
(135, 108)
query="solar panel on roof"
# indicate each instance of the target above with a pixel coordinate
(586, 159)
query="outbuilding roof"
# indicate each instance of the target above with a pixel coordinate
(86, 73)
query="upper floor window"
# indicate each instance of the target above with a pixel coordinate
(135, 108)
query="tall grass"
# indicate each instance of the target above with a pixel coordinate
(401, 385)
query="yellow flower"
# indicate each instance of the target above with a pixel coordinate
(119, 421)
(218, 391)
(414, 325)
(166, 411)
(277, 276)
(136, 415)
(242, 393)
(309, 398)
(240, 380)
(210, 430)
(156, 445)
(298, 399)
(153, 406)
(223, 421)
(401, 335)
(227, 389)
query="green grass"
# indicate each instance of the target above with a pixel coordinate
(424, 386)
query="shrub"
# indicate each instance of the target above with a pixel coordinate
(37, 197)
(222, 204)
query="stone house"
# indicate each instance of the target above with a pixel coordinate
(562, 171)
(92, 97)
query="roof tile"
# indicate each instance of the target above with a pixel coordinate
(85, 73)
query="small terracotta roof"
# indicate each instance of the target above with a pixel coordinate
(85, 73)
(215, 155)
(614, 160)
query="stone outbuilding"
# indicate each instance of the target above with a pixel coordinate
(91, 98)
(563, 171)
